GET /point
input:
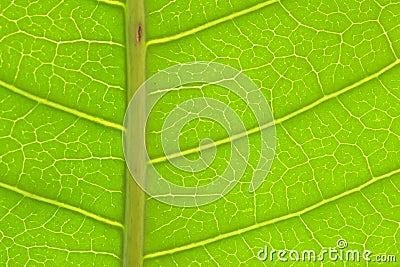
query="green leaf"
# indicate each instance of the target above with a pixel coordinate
(328, 69)
(62, 95)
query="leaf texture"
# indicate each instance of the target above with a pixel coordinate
(62, 95)
(329, 71)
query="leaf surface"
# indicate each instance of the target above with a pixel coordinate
(329, 71)
(62, 95)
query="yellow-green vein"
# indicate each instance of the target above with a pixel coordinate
(280, 120)
(61, 205)
(57, 106)
(211, 23)
(272, 221)
(113, 3)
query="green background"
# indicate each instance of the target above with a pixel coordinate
(328, 69)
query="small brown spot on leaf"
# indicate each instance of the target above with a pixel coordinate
(139, 34)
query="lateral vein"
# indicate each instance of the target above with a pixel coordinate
(57, 106)
(61, 205)
(211, 23)
(272, 221)
(113, 3)
(277, 121)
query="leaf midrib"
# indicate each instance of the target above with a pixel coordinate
(272, 221)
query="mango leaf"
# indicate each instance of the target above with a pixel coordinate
(328, 70)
